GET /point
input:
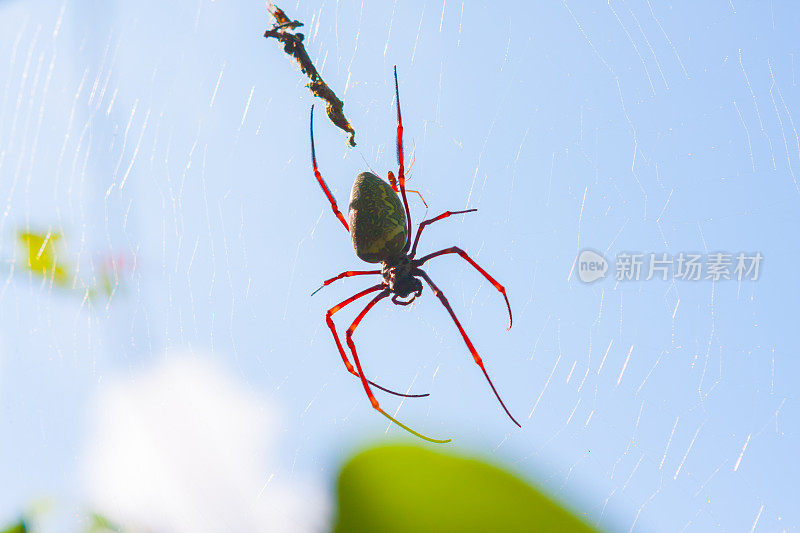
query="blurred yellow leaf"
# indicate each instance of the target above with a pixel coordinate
(43, 257)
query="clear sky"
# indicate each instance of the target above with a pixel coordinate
(175, 134)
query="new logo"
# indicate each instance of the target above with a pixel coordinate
(591, 266)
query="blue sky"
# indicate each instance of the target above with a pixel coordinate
(178, 135)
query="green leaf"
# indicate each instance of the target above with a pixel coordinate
(406, 488)
(100, 524)
(18, 527)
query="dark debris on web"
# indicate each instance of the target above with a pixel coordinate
(282, 30)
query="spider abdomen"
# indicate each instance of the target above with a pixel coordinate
(377, 219)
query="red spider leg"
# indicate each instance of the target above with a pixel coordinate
(462, 253)
(439, 294)
(393, 183)
(347, 364)
(364, 381)
(347, 274)
(431, 221)
(401, 175)
(407, 174)
(321, 181)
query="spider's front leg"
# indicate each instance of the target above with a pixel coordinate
(321, 181)
(364, 381)
(401, 174)
(329, 320)
(431, 221)
(468, 259)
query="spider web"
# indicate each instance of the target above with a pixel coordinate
(164, 154)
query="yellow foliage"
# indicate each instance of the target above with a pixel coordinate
(43, 256)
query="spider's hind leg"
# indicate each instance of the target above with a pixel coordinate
(478, 361)
(349, 337)
(332, 326)
(347, 274)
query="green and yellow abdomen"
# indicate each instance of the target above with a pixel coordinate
(377, 219)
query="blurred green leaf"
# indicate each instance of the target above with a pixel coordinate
(406, 488)
(100, 524)
(19, 527)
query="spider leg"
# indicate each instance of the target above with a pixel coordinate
(462, 253)
(401, 175)
(431, 221)
(347, 274)
(347, 364)
(393, 183)
(439, 294)
(349, 336)
(420, 197)
(321, 181)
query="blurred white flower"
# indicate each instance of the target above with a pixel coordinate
(184, 447)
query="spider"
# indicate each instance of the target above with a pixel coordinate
(380, 228)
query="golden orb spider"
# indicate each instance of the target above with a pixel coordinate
(380, 228)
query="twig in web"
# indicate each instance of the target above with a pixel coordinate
(293, 45)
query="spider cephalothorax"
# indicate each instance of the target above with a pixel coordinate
(397, 275)
(380, 228)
